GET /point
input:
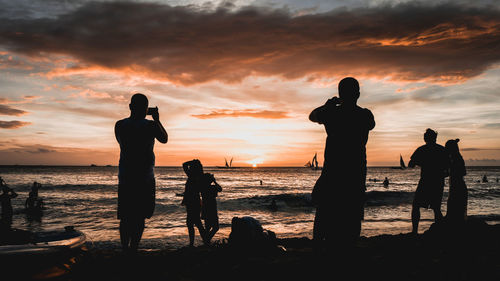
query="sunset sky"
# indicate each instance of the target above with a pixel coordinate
(239, 78)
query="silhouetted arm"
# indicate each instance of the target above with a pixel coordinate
(412, 162)
(117, 129)
(13, 194)
(318, 114)
(415, 158)
(185, 166)
(217, 186)
(371, 120)
(160, 132)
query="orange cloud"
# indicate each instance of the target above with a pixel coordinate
(265, 114)
(25, 99)
(447, 43)
(12, 124)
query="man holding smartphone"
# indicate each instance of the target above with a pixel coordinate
(339, 192)
(136, 183)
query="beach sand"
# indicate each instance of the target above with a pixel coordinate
(471, 252)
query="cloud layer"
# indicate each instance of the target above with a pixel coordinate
(266, 114)
(12, 124)
(8, 110)
(439, 43)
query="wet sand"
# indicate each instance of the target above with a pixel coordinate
(470, 252)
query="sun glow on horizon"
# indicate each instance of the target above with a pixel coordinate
(255, 162)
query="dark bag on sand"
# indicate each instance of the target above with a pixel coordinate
(248, 232)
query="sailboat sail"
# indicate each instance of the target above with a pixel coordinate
(227, 166)
(231, 162)
(401, 162)
(315, 160)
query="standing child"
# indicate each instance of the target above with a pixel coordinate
(191, 198)
(209, 192)
(457, 199)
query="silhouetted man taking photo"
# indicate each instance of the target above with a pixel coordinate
(340, 190)
(434, 162)
(136, 183)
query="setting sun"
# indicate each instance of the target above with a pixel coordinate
(255, 162)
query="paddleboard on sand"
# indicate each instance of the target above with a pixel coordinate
(41, 255)
(45, 242)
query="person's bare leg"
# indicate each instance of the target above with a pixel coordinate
(415, 218)
(124, 234)
(138, 230)
(191, 234)
(202, 231)
(211, 232)
(438, 216)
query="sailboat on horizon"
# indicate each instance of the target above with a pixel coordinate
(227, 165)
(402, 165)
(313, 164)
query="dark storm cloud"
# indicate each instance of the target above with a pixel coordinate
(441, 43)
(12, 124)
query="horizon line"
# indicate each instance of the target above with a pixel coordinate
(220, 167)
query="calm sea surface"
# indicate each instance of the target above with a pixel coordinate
(86, 197)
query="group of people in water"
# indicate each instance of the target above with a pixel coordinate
(33, 205)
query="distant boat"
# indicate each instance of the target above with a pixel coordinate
(402, 165)
(227, 165)
(401, 162)
(313, 164)
(93, 165)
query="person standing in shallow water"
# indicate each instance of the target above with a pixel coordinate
(136, 183)
(5, 201)
(457, 199)
(434, 162)
(340, 190)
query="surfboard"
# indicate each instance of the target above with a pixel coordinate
(45, 242)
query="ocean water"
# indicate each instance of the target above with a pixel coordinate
(86, 198)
